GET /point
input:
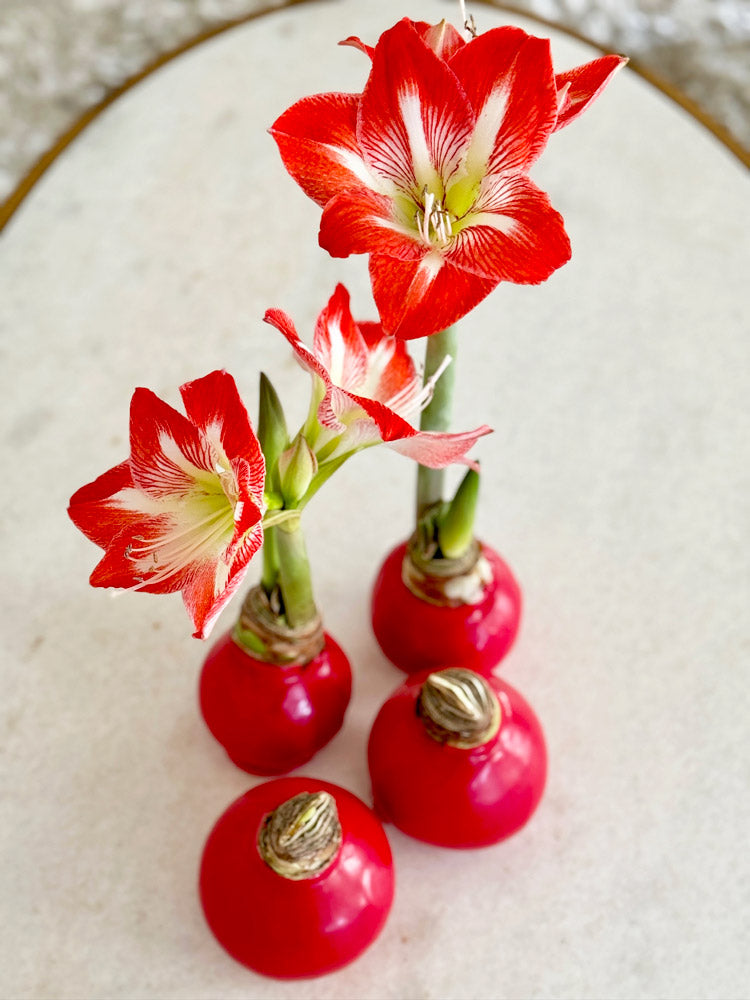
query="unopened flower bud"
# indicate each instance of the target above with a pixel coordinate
(296, 468)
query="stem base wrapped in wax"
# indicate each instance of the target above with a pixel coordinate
(273, 714)
(422, 619)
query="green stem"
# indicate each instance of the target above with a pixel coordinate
(437, 415)
(294, 575)
(270, 574)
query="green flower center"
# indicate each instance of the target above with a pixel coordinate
(437, 214)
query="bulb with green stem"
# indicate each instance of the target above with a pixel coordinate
(275, 689)
(443, 597)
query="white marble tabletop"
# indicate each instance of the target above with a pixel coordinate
(616, 485)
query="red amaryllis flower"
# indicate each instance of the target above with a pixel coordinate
(367, 390)
(427, 169)
(184, 511)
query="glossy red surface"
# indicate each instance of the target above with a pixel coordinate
(271, 719)
(449, 796)
(288, 929)
(416, 635)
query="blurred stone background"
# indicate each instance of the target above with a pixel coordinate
(60, 57)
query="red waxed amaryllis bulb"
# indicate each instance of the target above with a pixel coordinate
(270, 715)
(296, 878)
(468, 614)
(457, 759)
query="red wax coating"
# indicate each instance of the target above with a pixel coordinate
(450, 796)
(271, 719)
(417, 635)
(295, 929)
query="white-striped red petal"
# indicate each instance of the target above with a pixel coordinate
(514, 234)
(418, 298)
(414, 121)
(582, 85)
(356, 220)
(317, 139)
(510, 83)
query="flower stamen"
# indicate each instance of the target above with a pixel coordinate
(135, 552)
(468, 19)
(433, 221)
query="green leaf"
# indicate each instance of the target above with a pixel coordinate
(456, 525)
(272, 432)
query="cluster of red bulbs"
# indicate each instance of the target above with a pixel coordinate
(456, 758)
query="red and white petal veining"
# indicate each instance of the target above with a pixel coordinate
(247, 516)
(390, 426)
(583, 85)
(247, 542)
(426, 447)
(361, 221)
(349, 416)
(166, 550)
(124, 521)
(436, 450)
(116, 569)
(514, 235)
(392, 375)
(150, 554)
(310, 362)
(338, 344)
(414, 120)
(95, 508)
(318, 143)
(348, 366)
(337, 408)
(417, 299)
(215, 583)
(187, 505)
(166, 451)
(515, 103)
(364, 362)
(214, 406)
(393, 378)
(200, 595)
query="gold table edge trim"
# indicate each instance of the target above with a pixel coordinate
(45, 161)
